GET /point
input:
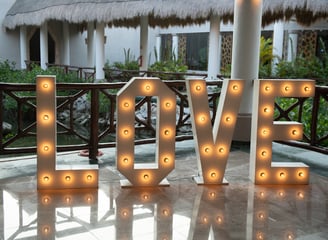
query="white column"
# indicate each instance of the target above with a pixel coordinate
(292, 46)
(175, 46)
(158, 47)
(278, 43)
(213, 48)
(245, 57)
(144, 43)
(23, 46)
(66, 49)
(100, 51)
(44, 45)
(91, 44)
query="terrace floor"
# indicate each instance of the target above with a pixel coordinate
(183, 210)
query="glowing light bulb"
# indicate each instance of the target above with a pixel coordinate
(167, 132)
(265, 132)
(89, 199)
(261, 194)
(45, 200)
(166, 159)
(46, 117)
(46, 178)
(67, 199)
(126, 132)
(168, 104)
(207, 149)
(287, 88)
(262, 174)
(212, 194)
(147, 87)
(294, 132)
(235, 87)
(290, 236)
(125, 160)
(306, 88)
(282, 174)
(124, 213)
(267, 88)
(45, 85)
(281, 194)
(146, 176)
(145, 197)
(260, 236)
(264, 153)
(198, 88)
(301, 174)
(46, 148)
(228, 119)
(221, 150)
(68, 178)
(213, 174)
(126, 105)
(266, 110)
(202, 118)
(89, 177)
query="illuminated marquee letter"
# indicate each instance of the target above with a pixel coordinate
(264, 131)
(213, 143)
(48, 176)
(150, 174)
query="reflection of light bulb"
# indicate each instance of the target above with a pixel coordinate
(145, 197)
(45, 200)
(205, 219)
(165, 212)
(46, 230)
(261, 194)
(212, 194)
(300, 195)
(67, 199)
(261, 215)
(219, 219)
(124, 213)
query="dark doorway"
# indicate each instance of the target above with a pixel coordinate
(35, 47)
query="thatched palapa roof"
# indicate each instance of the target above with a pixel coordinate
(160, 12)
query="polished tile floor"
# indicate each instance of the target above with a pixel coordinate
(183, 210)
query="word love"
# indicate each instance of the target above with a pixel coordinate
(212, 143)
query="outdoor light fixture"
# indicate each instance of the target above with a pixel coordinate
(213, 143)
(50, 176)
(264, 131)
(145, 174)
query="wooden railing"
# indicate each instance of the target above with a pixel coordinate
(18, 107)
(102, 97)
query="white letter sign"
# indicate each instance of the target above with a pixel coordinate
(150, 174)
(48, 176)
(264, 131)
(213, 144)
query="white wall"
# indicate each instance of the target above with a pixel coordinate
(9, 40)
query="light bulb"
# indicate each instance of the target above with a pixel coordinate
(146, 176)
(300, 195)
(262, 174)
(166, 132)
(261, 215)
(147, 87)
(219, 219)
(287, 88)
(235, 87)
(266, 110)
(205, 219)
(207, 149)
(228, 119)
(267, 88)
(126, 132)
(46, 230)
(168, 104)
(221, 150)
(264, 153)
(301, 174)
(45, 117)
(126, 105)
(198, 88)
(213, 174)
(45, 85)
(89, 177)
(165, 212)
(46, 148)
(125, 160)
(306, 88)
(68, 178)
(282, 174)
(46, 178)
(166, 160)
(294, 132)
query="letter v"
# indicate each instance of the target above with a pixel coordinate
(213, 143)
